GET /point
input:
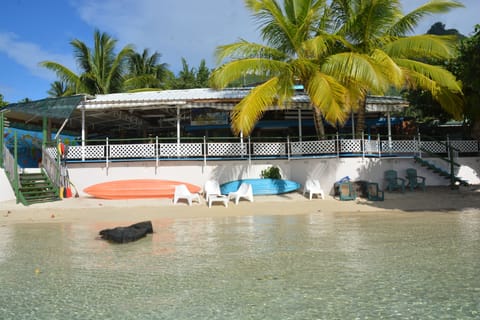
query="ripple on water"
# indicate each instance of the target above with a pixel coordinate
(405, 266)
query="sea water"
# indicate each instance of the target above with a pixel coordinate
(320, 266)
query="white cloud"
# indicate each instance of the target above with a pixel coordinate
(194, 28)
(190, 28)
(30, 55)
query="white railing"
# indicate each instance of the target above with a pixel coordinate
(50, 165)
(203, 150)
(9, 164)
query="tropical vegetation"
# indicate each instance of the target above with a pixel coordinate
(102, 70)
(467, 68)
(340, 51)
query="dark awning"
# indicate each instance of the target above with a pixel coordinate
(57, 108)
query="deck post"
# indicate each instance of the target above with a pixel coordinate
(419, 143)
(288, 148)
(379, 145)
(83, 133)
(389, 132)
(338, 145)
(300, 124)
(106, 154)
(362, 145)
(157, 152)
(204, 151)
(249, 153)
(44, 131)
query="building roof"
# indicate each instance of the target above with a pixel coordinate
(159, 108)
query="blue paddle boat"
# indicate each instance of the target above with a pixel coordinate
(262, 186)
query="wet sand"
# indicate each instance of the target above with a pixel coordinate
(86, 209)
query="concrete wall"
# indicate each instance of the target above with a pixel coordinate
(326, 170)
(6, 191)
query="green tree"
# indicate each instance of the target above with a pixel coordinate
(340, 53)
(295, 48)
(3, 103)
(202, 75)
(59, 89)
(186, 77)
(189, 78)
(467, 67)
(377, 33)
(145, 71)
(101, 69)
(422, 105)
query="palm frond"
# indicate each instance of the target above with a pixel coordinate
(328, 96)
(422, 46)
(452, 102)
(390, 69)
(229, 72)
(64, 74)
(244, 49)
(439, 75)
(407, 23)
(449, 95)
(246, 113)
(352, 67)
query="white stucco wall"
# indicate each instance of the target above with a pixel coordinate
(197, 172)
(6, 191)
(326, 170)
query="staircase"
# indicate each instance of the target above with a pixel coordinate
(36, 188)
(454, 180)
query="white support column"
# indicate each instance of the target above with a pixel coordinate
(178, 131)
(353, 125)
(83, 133)
(178, 124)
(389, 126)
(299, 124)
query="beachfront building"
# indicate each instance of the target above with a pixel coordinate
(157, 132)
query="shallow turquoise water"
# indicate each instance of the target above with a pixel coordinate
(320, 266)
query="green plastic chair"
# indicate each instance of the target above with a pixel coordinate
(373, 192)
(346, 191)
(414, 180)
(394, 182)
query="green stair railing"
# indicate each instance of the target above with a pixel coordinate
(450, 160)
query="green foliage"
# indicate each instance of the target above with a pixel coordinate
(2, 102)
(189, 78)
(145, 71)
(467, 68)
(272, 172)
(103, 70)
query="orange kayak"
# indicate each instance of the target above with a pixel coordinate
(137, 189)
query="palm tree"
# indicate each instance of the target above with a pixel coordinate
(295, 49)
(101, 70)
(376, 32)
(144, 71)
(339, 52)
(59, 89)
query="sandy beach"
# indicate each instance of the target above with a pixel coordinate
(85, 209)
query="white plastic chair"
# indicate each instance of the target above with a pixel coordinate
(211, 187)
(244, 191)
(212, 193)
(312, 186)
(182, 192)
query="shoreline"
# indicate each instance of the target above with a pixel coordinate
(92, 210)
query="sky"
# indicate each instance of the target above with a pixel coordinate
(32, 31)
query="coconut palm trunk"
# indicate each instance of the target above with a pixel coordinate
(360, 123)
(318, 121)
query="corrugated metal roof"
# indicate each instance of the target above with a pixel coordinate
(187, 98)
